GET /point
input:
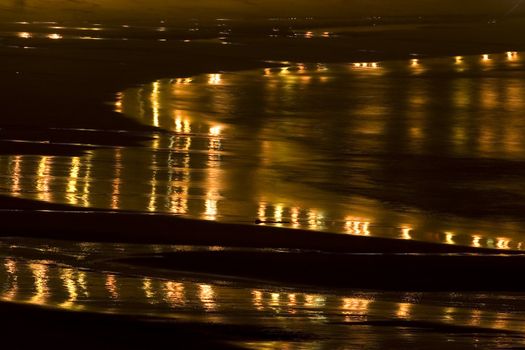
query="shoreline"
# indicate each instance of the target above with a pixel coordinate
(60, 68)
(64, 223)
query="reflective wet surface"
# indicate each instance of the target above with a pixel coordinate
(426, 149)
(83, 277)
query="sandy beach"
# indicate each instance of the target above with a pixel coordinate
(58, 99)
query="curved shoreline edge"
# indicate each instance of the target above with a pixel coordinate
(146, 228)
(69, 86)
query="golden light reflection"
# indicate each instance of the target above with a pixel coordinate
(458, 59)
(24, 35)
(449, 313)
(366, 65)
(71, 190)
(155, 103)
(476, 241)
(54, 36)
(292, 300)
(449, 238)
(207, 297)
(476, 317)
(82, 283)
(414, 62)
(67, 276)
(261, 212)
(295, 212)
(174, 294)
(16, 173)
(86, 190)
(215, 131)
(315, 219)
(275, 299)
(210, 205)
(183, 81)
(258, 300)
(11, 269)
(41, 289)
(278, 214)
(404, 310)
(118, 102)
(314, 300)
(179, 179)
(321, 67)
(112, 287)
(357, 226)
(512, 55)
(355, 307)
(503, 243)
(405, 232)
(182, 125)
(147, 287)
(214, 79)
(116, 183)
(485, 58)
(501, 321)
(213, 174)
(43, 179)
(152, 204)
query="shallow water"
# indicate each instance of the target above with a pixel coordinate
(427, 149)
(82, 277)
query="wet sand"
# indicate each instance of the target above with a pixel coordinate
(398, 272)
(65, 84)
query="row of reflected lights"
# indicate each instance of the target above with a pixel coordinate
(216, 79)
(313, 219)
(511, 55)
(278, 215)
(78, 286)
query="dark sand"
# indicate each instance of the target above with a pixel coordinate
(398, 272)
(64, 329)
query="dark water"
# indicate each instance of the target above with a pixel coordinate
(82, 277)
(429, 149)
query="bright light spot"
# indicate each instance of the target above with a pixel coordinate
(214, 79)
(476, 241)
(485, 57)
(503, 243)
(215, 131)
(449, 238)
(24, 35)
(54, 36)
(414, 62)
(405, 233)
(278, 214)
